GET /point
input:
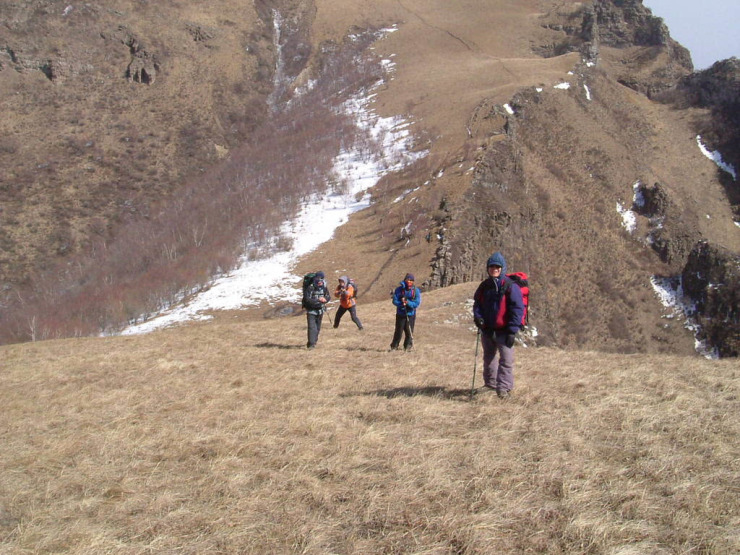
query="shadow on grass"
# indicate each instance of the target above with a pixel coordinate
(430, 391)
(268, 345)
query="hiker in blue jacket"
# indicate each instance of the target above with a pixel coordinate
(498, 309)
(314, 300)
(406, 298)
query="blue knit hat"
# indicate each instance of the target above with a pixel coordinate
(409, 277)
(320, 275)
(497, 259)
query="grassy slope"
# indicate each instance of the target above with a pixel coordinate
(101, 139)
(230, 437)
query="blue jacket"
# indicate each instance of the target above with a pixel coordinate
(413, 299)
(487, 304)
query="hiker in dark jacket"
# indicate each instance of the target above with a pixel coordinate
(498, 308)
(317, 295)
(345, 292)
(406, 298)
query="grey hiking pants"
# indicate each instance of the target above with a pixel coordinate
(352, 313)
(498, 362)
(314, 327)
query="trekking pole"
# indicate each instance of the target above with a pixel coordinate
(475, 365)
(325, 310)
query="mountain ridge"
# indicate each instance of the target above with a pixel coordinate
(453, 76)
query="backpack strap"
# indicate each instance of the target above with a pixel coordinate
(506, 285)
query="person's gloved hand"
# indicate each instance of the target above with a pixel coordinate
(479, 322)
(510, 340)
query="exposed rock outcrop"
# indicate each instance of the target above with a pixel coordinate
(717, 86)
(483, 218)
(670, 235)
(718, 89)
(711, 279)
(623, 24)
(200, 33)
(143, 65)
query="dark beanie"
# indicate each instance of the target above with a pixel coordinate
(320, 275)
(496, 259)
(409, 277)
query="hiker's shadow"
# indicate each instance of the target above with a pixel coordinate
(366, 349)
(268, 345)
(429, 391)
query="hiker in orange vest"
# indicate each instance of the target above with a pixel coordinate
(346, 293)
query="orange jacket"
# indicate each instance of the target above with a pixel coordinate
(346, 297)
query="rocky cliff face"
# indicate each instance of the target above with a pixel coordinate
(654, 62)
(712, 279)
(548, 175)
(716, 89)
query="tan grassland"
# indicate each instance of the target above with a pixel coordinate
(230, 437)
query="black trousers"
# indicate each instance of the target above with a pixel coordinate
(314, 327)
(352, 312)
(405, 326)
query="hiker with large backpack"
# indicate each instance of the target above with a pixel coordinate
(346, 292)
(315, 297)
(499, 313)
(406, 298)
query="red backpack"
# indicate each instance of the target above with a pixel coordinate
(521, 279)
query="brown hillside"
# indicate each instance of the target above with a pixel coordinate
(127, 101)
(87, 140)
(230, 437)
(545, 182)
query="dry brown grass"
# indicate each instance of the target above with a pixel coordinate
(229, 437)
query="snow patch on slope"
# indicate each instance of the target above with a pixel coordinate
(670, 292)
(271, 279)
(716, 157)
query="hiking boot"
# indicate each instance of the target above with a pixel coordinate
(392, 349)
(485, 388)
(503, 394)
